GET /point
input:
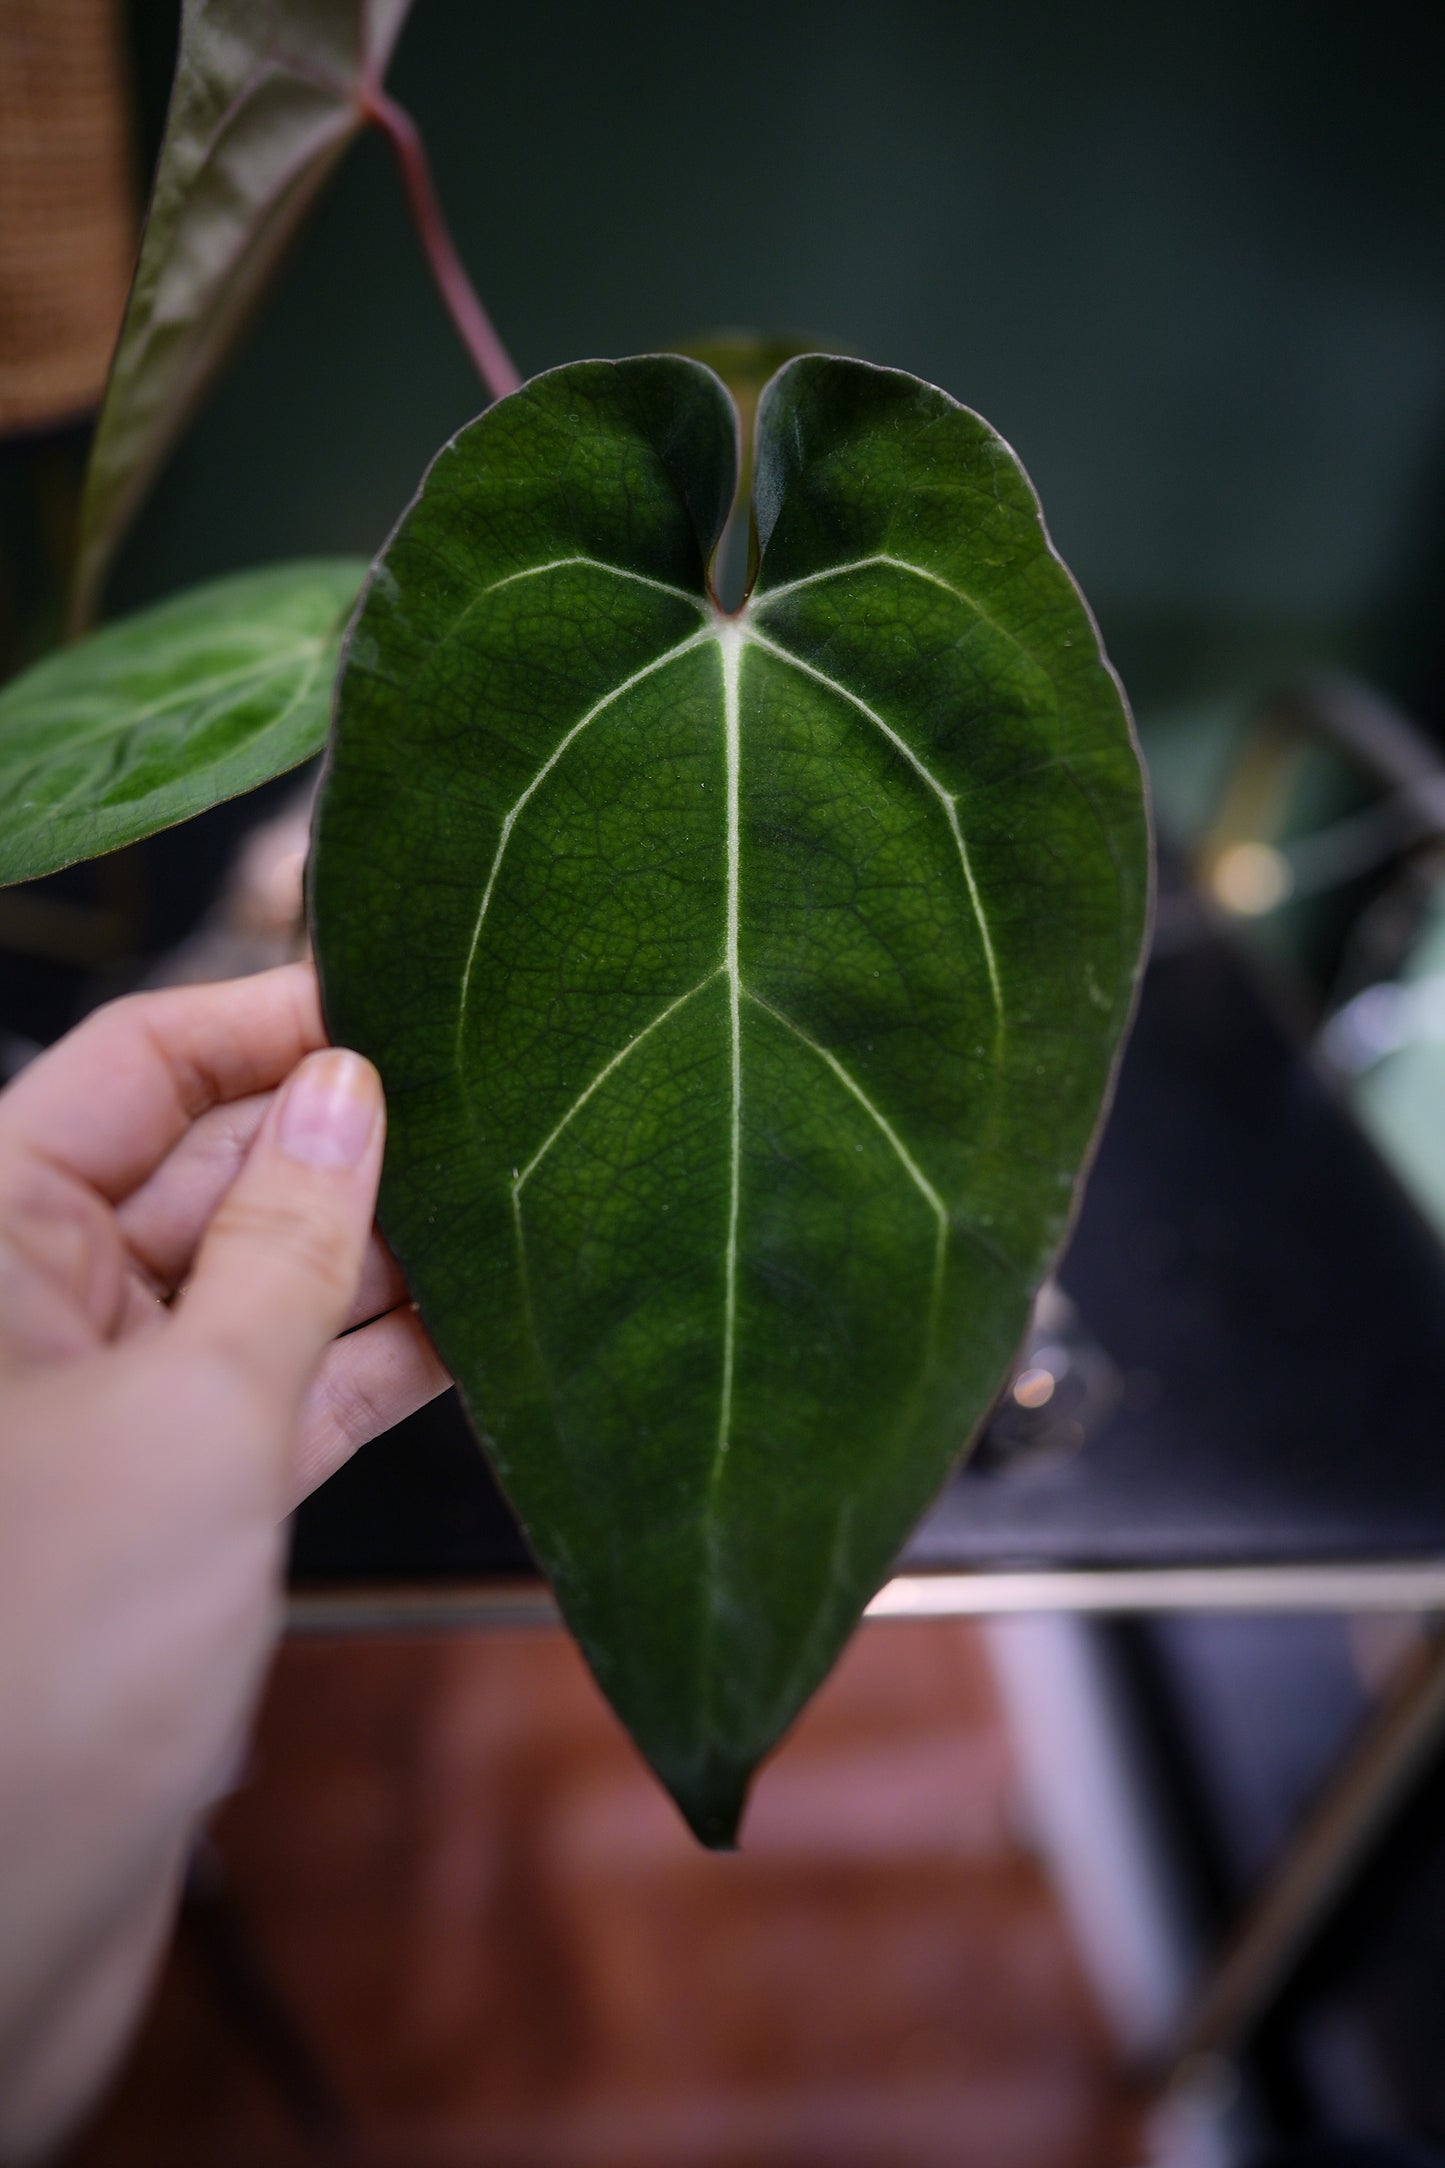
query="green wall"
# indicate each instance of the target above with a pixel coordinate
(1187, 259)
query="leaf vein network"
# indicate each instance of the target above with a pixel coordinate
(509, 820)
(946, 799)
(613, 1062)
(895, 564)
(209, 689)
(597, 564)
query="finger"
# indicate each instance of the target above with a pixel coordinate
(279, 1267)
(112, 1098)
(62, 1271)
(367, 1382)
(42, 1318)
(382, 1286)
(163, 1222)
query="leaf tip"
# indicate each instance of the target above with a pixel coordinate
(712, 1803)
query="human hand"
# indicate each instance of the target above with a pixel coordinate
(186, 1196)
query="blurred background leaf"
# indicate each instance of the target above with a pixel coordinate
(1187, 264)
(169, 712)
(268, 93)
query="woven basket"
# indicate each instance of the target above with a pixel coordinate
(67, 214)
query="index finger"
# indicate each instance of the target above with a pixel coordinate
(112, 1097)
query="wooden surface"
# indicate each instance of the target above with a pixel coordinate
(500, 1948)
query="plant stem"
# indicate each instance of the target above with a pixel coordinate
(474, 327)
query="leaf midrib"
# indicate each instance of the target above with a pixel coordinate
(732, 634)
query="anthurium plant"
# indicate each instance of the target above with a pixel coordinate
(747, 977)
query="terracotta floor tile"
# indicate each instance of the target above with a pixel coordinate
(500, 1946)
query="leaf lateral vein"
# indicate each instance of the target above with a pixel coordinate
(920, 768)
(615, 1062)
(597, 564)
(509, 819)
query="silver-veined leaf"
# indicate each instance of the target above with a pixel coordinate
(747, 989)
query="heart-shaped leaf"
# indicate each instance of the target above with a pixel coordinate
(268, 93)
(747, 989)
(168, 712)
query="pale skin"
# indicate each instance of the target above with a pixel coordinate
(198, 1323)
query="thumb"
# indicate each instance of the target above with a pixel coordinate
(279, 1266)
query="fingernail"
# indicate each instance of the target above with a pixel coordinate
(330, 1111)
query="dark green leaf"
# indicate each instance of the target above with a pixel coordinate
(747, 990)
(746, 361)
(168, 712)
(268, 93)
